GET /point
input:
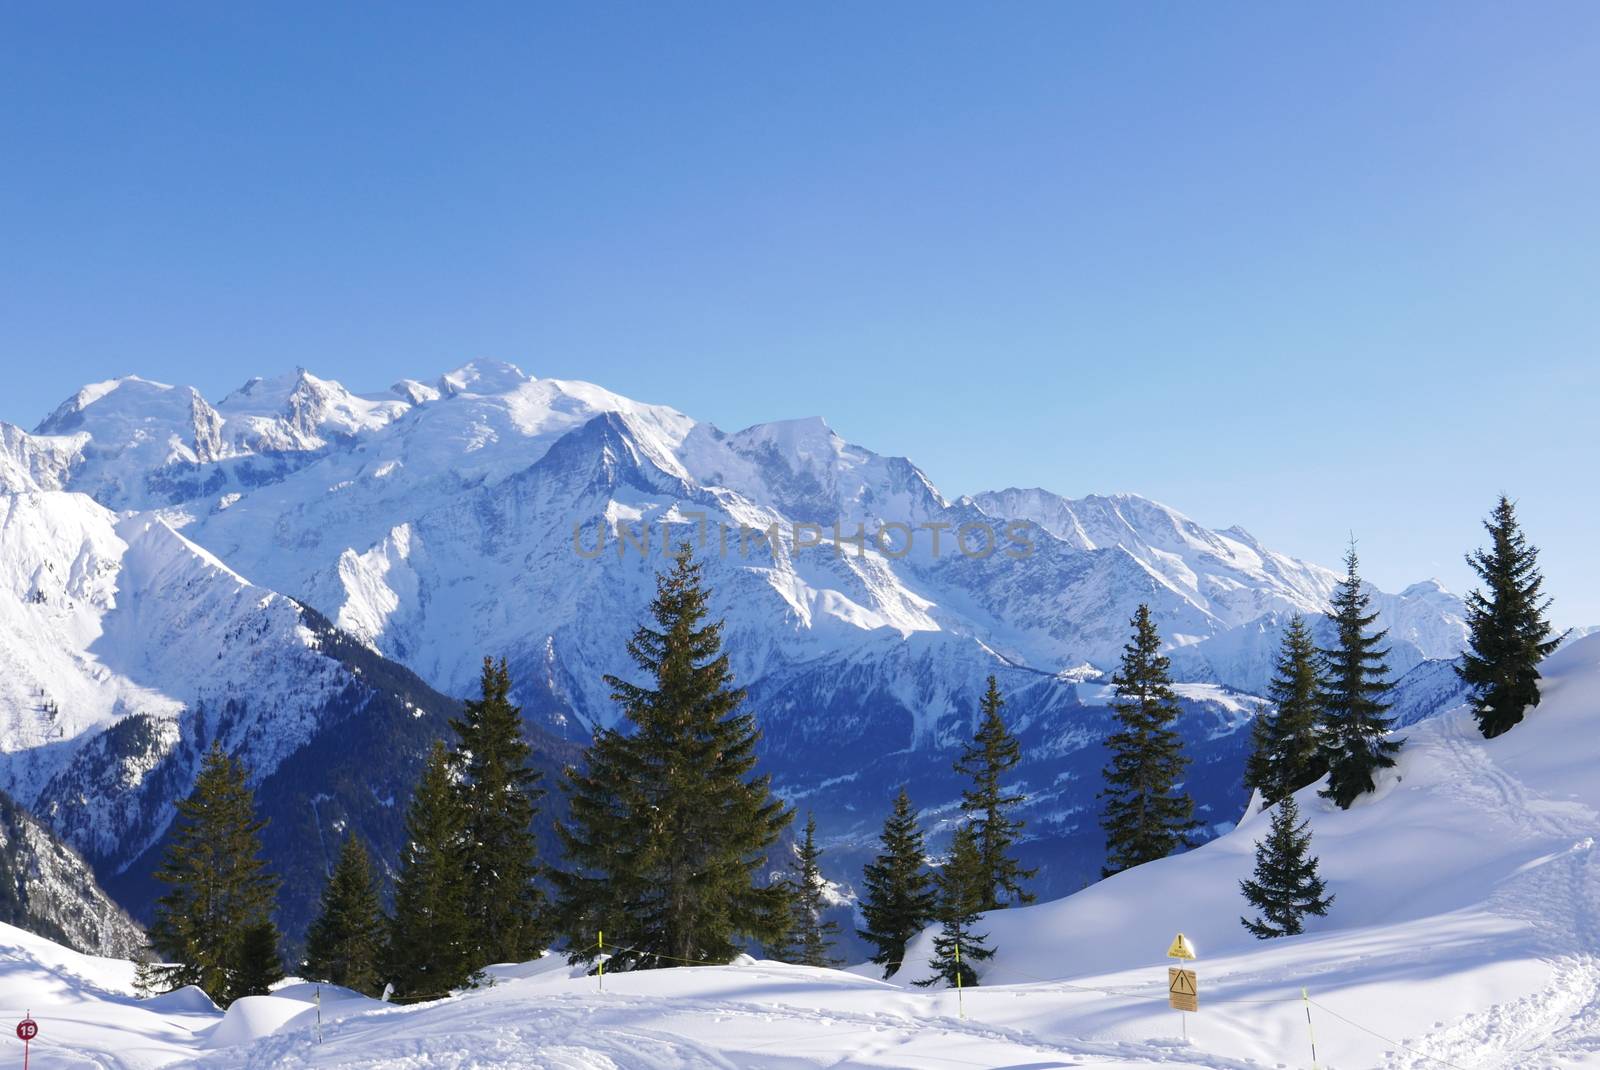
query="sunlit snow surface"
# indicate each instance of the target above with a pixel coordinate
(1464, 929)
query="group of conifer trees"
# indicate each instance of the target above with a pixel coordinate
(980, 873)
(465, 893)
(670, 826)
(1330, 710)
(666, 846)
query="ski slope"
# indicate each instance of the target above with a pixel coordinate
(1463, 934)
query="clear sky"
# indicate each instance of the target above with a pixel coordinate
(1310, 270)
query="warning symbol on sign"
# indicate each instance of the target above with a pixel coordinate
(1183, 989)
(1181, 948)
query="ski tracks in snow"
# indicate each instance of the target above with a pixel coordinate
(1557, 895)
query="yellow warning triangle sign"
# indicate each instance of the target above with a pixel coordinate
(1181, 948)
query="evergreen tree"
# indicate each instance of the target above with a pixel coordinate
(1510, 630)
(810, 938)
(259, 965)
(670, 825)
(900, 897)
(345, 943)
(1286, 887)
(962, 883)
(1145, 818)
(219, 891)
(1286, 743)
(992, 754)
(499, 795)
(429, 951)
(1355, 734)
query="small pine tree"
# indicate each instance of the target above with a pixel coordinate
(345, 943)
(1286, 752)
(219, 890)
(258, 966)
(499, 795)
(993, 753)
(1146, 817)
(1510, 632)
(670, 824)
(961, 881)
(429, 952)
(900, 896)
(1286, 886)
(810, 938)
(1355, 733)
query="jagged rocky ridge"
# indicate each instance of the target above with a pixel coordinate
(162, 561)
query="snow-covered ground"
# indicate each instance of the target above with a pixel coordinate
(1464, 933)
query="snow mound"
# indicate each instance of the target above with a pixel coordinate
(252, 1018)
(190, 999)
(312, 991)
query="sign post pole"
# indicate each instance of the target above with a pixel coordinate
(1183, 986)
(961, 1007)
(27, 1029)
(1310, 1031)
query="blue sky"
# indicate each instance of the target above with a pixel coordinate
(1310, 271)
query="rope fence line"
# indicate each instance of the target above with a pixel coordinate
(1386, 1040)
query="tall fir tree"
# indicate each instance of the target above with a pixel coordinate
(429, 952)
(1508, 625)
(962, 883)
(811, 937)
(1286, 743)
(344, 945)
(670, 824)
(899, 897)
(1286, 886)
(1146, 817)
(993, 753)
(219, 892)
(499, 796)
(1355, 735)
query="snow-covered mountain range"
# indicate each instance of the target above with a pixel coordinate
(174, 571)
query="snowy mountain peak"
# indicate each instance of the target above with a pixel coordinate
(1429, 588)
(123, 392)
(299, 411)
(483, 377)
(808, 436)
(414, 392)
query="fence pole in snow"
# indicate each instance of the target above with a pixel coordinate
(319, 1014)
(961, 1007)
(1312, 1033)
(600, 938)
